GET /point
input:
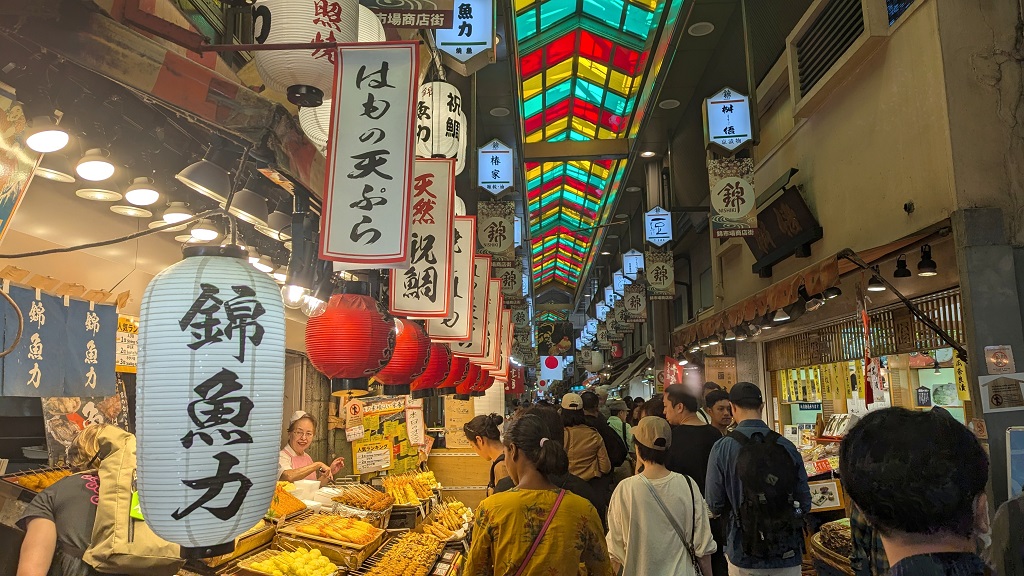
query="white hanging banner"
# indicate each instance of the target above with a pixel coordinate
(458, 326)
(632, 262)
(494, 166)
(367, 186)
(495, 311)
(505, 356)
(474, 347)
(602, 310)
(472, 32)
(619, 281)
(424, 289)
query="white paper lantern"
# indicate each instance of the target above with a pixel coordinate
(460, 207)
(370, 28)
(305, 75)
(210, 388)
(596, 361)
(440, 122)
(460, 157)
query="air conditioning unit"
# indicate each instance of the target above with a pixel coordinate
(829, 43)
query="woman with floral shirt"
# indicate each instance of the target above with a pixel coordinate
(508, 523)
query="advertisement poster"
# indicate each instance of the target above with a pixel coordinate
(456, 414)
(17, 161)
(65, 417)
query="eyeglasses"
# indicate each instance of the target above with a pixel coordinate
(303, 434)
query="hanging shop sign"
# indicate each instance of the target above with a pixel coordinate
(636, 301)
(456, 414)
(438, 120)
(603, 341)
(416, 14)
(211, 384)
(494, 165)
(510, 273)
(371, 455)
(458, 326)
(17, 162)
(127, 353)
(601, 310)
(516, 383)
(727, 120)
(732, 197)
(521, 317)
(518, 238)
(619, 282)
(424, 289)
(632, 262)
(495, 352)
(474, 347)
(507, 341)
(660, 272)
(622, 317)
(91, 347)
(555, 339)
(35, 367)
(369, 178)
(585, 356)
(495, 221)
(785, 227)
(469, 44)
(658, 226)
(489, 359)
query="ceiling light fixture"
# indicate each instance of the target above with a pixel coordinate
(276, 225)
(159, 223)
(177, 212)
(683, 361)
(647, 154)
(205, 230)
(938, 369)
(98, 194)
(44, 136)
(927, 266)
(281, 274)
(133, 211)
(207, 176)
(248, 206)
(741, 334)
(95, 165)
(730, 335)
(668, 104)
(632, 189)
(832, 292)
(699, 29)
(875, 285)
(500, 111)
(142, 192)
(714, 340)
(264, 264)
(811, 303)
(56, 167)
(254, 255)
(902, 270)
(315, 303)
(781, 315)
(695, 347)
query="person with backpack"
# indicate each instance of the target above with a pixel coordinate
(657, 520)
(757, 477)
(692, 439)
(72, 529)
(536, 528)
(588, 456)
(618, 453)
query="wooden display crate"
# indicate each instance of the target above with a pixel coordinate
(250, 540)
(344, 556)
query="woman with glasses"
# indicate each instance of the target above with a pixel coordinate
(293, 463)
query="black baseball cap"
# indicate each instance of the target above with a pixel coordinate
(745, 393)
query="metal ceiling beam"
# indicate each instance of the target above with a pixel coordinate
(565, 151)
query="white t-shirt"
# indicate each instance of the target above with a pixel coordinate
(643, 540)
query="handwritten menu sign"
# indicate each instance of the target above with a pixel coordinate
(127, 352)
(456, 414)
(372, 455)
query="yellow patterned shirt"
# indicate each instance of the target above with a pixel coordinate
(507, 523)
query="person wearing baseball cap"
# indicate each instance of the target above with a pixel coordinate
(588, 457)
(657, 520)
(730, 489)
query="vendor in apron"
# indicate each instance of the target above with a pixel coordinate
(293, 463)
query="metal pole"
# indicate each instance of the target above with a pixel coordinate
(748, 51)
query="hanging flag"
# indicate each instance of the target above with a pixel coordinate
(369, 173)
(635, 300)
(90, 349)
(516, 383)
(660, 271)
(458, 326)
(495, 222)
(424, 289)
(35, 367)
(474, 347)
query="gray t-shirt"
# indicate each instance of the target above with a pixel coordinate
(70, 504)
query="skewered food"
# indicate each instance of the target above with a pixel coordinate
(284, 504)
(412, 555)
(429, 479)
(365, 498)
(448, 519)
(407, 489)
(296, 563)
(339, 529)
(39, 481)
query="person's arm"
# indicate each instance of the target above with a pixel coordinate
(616, 539)
(705, 564)
(604, 463)
(38, 547)
(803, 491)
(714, 485)
(595, 549)
(479, 562)
(296, 474)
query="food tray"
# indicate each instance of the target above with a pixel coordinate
(250, 540)
(345, 557)
(9, 487)
(373, 560)
(293, 529)
(244, 568)
(376, 519)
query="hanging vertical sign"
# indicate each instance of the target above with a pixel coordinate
(494, 228)
(438, 120)
(622, 322)
(35, 367)
(424, 289)
(602, 310)
(497, 341)
(610, 295)
(510, 273)
(732, 197)
(494, 165)
(660, 272)
(474, 347)
(89, 355)
(658, 226)
(632, 262)
(521, 317)
(494, 312)
(517, 235)
(516, 383)
(603, 342)
(369, 172)
(506, 349)
(727, 120)
(471, 39)
(635, 300)
(619, 281)
(458, 326)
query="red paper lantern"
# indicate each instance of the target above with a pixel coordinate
(465, 387)
(351, 341)
(459, 368)
(485, 385)
(409, 360)
(438, 366)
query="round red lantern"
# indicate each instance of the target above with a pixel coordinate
(465, 387)
(351, 341)
(438, 366)
(485, 384)
(408, 361)
(457, 373)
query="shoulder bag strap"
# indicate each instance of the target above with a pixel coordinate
(672, 520)
(540, 535)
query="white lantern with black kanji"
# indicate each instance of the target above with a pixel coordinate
(210, 388)
(439, 121)
(307, 75)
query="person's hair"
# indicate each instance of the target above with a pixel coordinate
(653, 407)
(677, 394)
(748, 403)
(84, 451)
(526, 433)
(483, 426)
(291, 427)
(629, 401)
(552, 420)
(572, 418)
(709, 386)
(650, 454)
(715, 396)
(590, 401)
(914, 472)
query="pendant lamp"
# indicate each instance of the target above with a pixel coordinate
(465, 387)
(306, 76)
(438, 365)
(596, 361)
(456, 373)
(409, 360)
(210, 388)
(351, 341)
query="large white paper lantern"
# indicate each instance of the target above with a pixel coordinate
(306, 76)
(460, 206)
(210, 390)
(370, 28)
(440, 122)
(596, 361)
(460, 157)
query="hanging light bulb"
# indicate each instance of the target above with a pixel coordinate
(176, 212)
(95, 165)
(902, 270)
(44, 136)
(938, 369)
(293, 296)
(281, 274)
(208, 176)
(832, 292)
(141, 192)
(205, 230)
(730, 335)
(264, 264)
(248, 205)
(315, 303)
(875, 285)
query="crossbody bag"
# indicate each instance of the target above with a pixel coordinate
(540, 535)
(679, 529)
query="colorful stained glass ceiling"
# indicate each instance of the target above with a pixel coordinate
(581, 64)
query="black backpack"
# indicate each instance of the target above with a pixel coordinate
(615, 445)
(767, 513)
